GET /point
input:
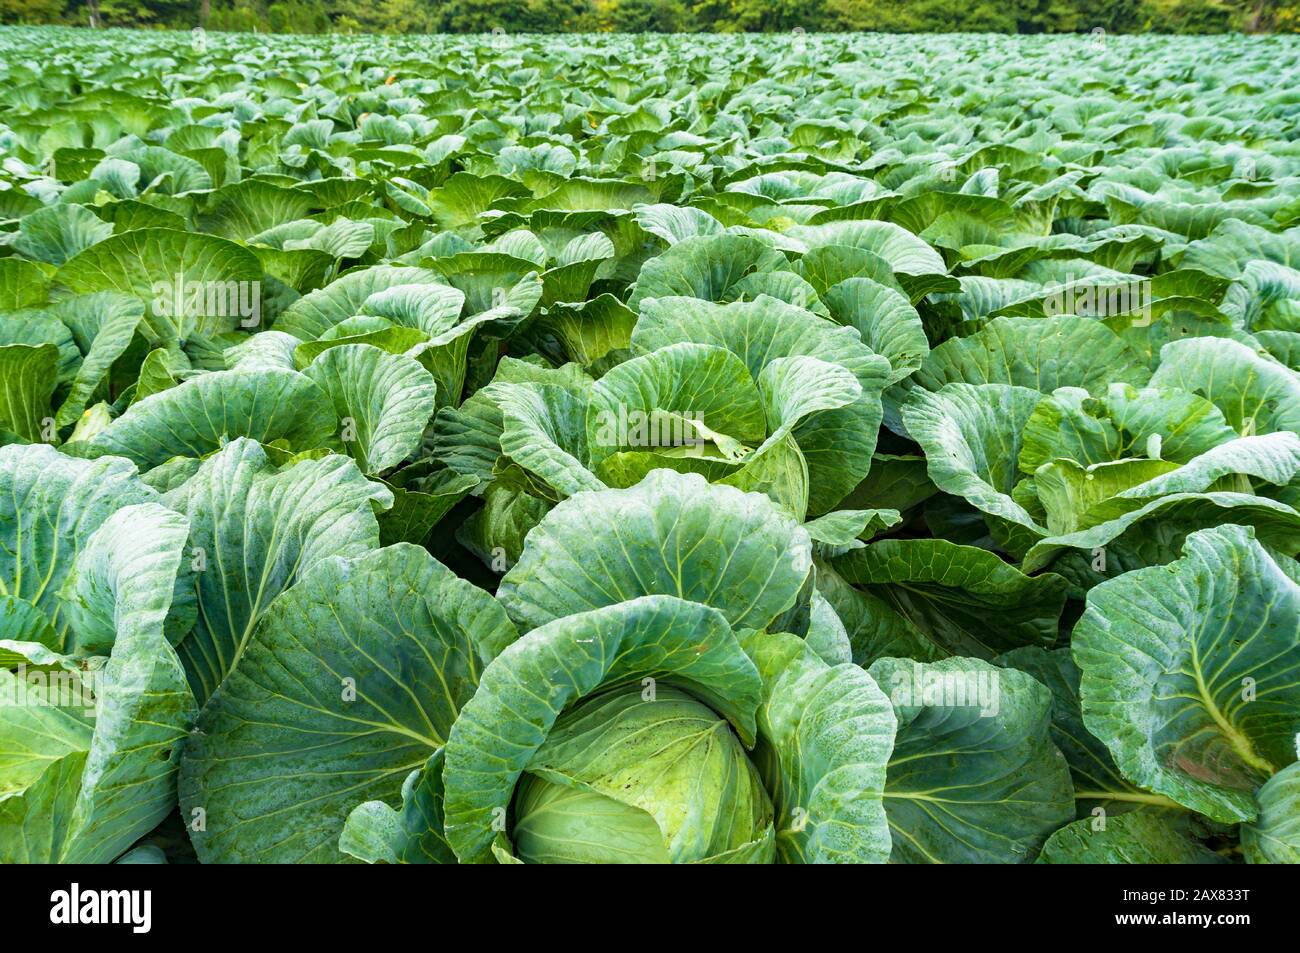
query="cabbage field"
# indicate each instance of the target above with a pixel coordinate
(617, 449)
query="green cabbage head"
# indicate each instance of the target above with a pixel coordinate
(640, 775)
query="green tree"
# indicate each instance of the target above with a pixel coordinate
(31, 11)
(648, 16)
(731, 16)
(530, 16)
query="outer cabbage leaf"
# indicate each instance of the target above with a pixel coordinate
(198, 415)
(974, 776)
(1138, 837)
(961, 599)
(824, 736)
(307, 727)
(1191, 672)
(1274, 838)
(103, 783)
(671, 534)
(254, 532)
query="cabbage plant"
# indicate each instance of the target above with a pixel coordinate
(648, 715)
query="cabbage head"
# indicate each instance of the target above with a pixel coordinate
(640, 776)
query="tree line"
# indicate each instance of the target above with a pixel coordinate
(666, 16)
